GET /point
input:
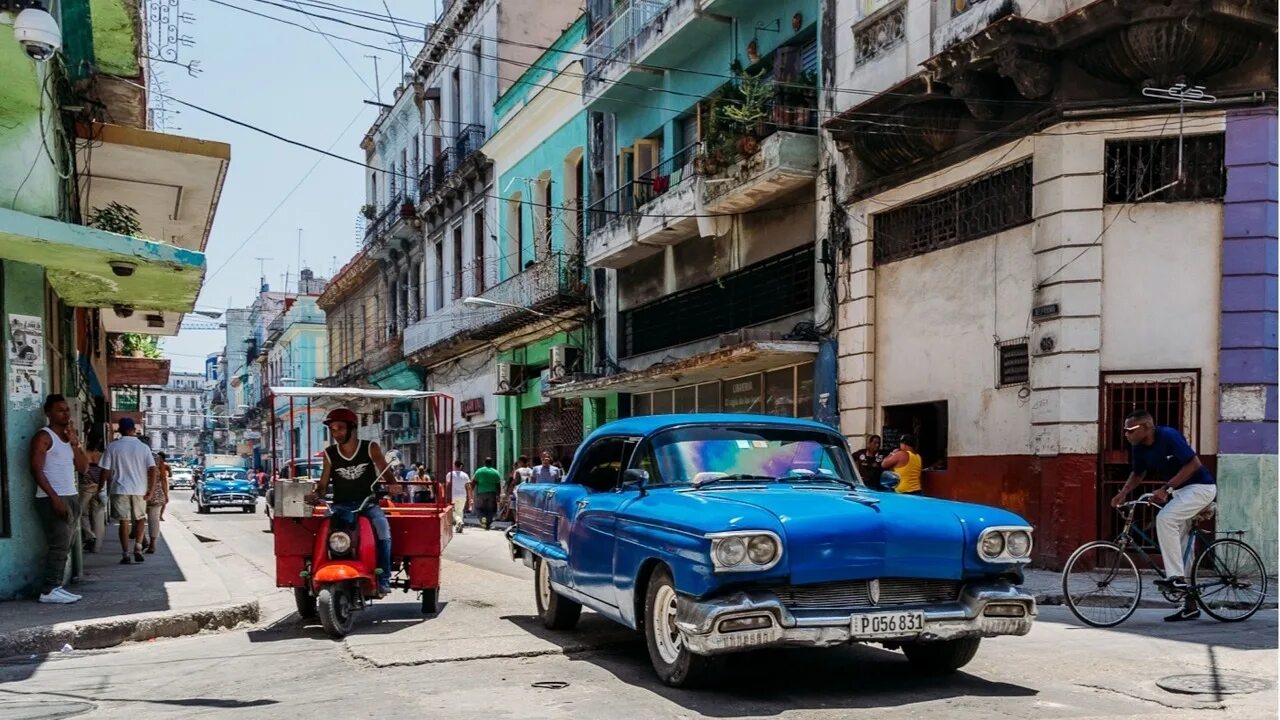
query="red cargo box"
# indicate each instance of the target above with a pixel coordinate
(295, 537)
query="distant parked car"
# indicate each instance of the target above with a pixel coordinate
(714, 534)
(181, 477)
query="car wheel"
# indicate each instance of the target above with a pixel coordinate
(557, 611)
(940, 658)
(675, 665)
(306, 603)
(203, 510)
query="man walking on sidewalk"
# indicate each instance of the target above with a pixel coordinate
(93, 495)
(487, 483)
(130, 471)
(459, 488)
(56, 457)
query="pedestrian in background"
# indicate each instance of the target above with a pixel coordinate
(93, 502)
(907, 463)
(869, 461)
(521, 474)
(129, 469)
(56, 457)
(459, 490)
(546, 472)
(487, 483)
(156, 502)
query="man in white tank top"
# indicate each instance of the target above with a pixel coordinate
(56, 458)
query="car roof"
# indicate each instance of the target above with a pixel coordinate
(649, 424)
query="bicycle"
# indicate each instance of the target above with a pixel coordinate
(1102, 586)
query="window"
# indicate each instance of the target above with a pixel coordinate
(477, 85)
(164, 420)
(164, 401)
(981, 207)
(148, 402)
(1137, 168)
(928, 422)
(439, 281)
(547, 216)
(600, 469)
(191, 403)
(1013, 363)
(457, 263)
(477, 259)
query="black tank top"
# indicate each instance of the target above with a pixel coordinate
(350, 478)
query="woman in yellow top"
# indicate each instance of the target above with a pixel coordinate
(907, 463)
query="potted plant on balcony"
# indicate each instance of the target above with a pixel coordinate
(407, 210)
(116, 218)
(368, 211)
(750, 111)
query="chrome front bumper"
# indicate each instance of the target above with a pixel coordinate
(699, 621)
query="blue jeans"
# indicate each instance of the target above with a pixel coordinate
(381, 531)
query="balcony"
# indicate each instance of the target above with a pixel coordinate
(442, 176)
(125, 371)
(350, 375)
(785, 162)
(657, 209)
(394, 221)
(551, 285)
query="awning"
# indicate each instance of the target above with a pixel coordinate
(353, 393)
(173, 182)
(79, 261)
(722, 364)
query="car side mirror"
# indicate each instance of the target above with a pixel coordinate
(635, 478)
(889, 480)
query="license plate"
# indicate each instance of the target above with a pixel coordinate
(895, 623)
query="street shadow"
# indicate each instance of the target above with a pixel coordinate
(384, 618)
(1257, 633)
(771, 682)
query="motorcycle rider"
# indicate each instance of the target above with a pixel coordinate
(354, 465)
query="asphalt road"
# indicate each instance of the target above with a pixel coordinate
(484, 657)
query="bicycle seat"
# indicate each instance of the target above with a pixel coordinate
(1206, 514)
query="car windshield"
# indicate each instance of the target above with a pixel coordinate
(705, 455)
(229, 474)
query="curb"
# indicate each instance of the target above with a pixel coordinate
(1049, 599)
(108, 632)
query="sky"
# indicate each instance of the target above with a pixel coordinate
(291, 82)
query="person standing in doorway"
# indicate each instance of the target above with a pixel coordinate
(546, 472)
(487, 483)
(56, 457)
(907, 463)
(869, 461)
(129, 469)
(156, 502)
(93, 509)
(459, 490)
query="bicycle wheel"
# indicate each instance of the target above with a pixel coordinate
(1101, 584)
(1230, 581)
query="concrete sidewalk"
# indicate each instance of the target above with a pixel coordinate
(177, 591)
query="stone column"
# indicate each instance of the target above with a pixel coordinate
(856, 359)
(1247, 341)
(1068, 172)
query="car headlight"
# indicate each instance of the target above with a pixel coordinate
(744, 551)
(339, 542)
(992, 545)
(1018, 543)
(1005, 545)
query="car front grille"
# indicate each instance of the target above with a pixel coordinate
(232, 498)
(857, 594)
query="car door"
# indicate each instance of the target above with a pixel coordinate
(591, 516)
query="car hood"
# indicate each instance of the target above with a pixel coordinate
(834, 534)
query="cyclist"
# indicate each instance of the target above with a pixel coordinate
(1163, 451)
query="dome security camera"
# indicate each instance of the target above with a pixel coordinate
(38, 33)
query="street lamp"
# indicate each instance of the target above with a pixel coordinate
(479, 302)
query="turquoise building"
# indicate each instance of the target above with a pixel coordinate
(297, 353)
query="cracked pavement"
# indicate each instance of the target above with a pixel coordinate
(485, 656)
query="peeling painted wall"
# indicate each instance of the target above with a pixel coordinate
(23, 160)
(115, 36)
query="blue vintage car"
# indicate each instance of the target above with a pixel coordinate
(225, 486)
(723, 533)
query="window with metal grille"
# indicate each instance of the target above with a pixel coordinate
(767, 290)
(983, 206)
(1136, 168)
(1013, 361)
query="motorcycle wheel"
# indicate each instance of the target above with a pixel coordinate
(337, 615)
(306, 603)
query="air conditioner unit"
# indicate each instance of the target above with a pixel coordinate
(395, 421)
(509, 379)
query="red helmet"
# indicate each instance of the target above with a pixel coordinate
(342, 415)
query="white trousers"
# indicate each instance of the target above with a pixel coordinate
(1173, 524)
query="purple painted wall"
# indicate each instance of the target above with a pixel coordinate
(1248, 347)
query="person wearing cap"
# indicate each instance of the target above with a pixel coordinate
(354, 466)
(129, 469)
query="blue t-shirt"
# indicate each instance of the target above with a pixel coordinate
(1166, 455)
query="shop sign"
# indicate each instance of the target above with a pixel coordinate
(472, 406)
